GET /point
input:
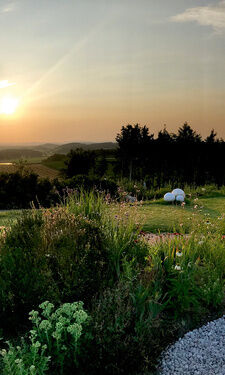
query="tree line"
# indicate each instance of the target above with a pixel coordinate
(155, 162)
(177, 158)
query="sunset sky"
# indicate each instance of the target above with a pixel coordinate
(77, 70)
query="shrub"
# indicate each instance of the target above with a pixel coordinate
(127, 329)
(87, 183)
(75, 254)
(190, 273)
(121, 227)
(24, 276)
(19, 189)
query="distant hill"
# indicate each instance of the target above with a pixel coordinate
(48, 149)
(64, 149)
(45, 148)
(11, 154)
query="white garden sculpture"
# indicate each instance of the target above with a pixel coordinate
(180, 198)
(177, 194)
(169, 197)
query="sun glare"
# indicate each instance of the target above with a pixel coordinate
(8, 105)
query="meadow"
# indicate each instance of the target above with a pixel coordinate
(157, 216)
(83, 291)
(160, 217)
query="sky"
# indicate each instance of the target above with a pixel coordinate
(78, 70)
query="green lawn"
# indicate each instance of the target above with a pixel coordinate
(171, 218)
(7, 217)
(159, 217)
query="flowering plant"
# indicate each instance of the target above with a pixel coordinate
(54, 341)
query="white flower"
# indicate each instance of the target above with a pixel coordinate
(200, 242)
(179, 254)
(178, 268)
(3, 352)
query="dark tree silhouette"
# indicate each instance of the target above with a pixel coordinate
(133, 142)
(101, 165)
(187, 135)
(211, 137)
(79, 162)
(164, 137)
(182, 158)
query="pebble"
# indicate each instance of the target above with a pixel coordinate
(200, 352)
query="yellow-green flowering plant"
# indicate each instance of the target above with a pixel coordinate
(54, 341)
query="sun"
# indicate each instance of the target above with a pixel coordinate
(8, 105)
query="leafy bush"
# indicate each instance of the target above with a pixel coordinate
(19, 189)
(127, 329)
(24, 276)
(75, 254)
(191, 274)
(86, 183)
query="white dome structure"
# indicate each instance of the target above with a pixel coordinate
(177, 192)
(169, 197)
(180, 198)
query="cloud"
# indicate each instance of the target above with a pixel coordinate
(5, 83)
(8, 7)
(211, 15)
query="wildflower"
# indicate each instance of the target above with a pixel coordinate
(178, 268)
(200, 242)
(36, 344)
(45, 325)
(179, 254)
(18, 361)
(3, 352)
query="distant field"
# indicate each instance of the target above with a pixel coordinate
(42, 170)
(31, 160)
(54, 164)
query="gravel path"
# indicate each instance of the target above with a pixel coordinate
(200, 352)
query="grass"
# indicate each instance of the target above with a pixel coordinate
(8, 217)
(172, 218)
(159, 217)
(140, 297)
